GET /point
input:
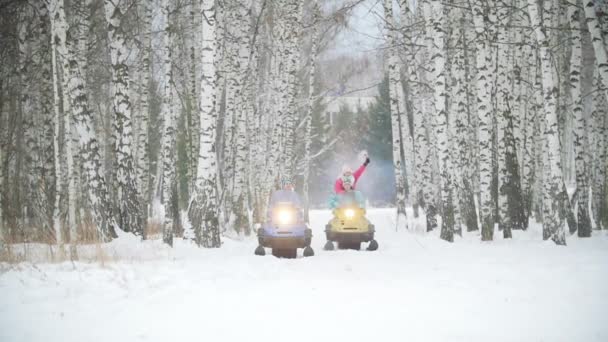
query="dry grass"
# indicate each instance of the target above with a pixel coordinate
(42, 248)
(153, 230)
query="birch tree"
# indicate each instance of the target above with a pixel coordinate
(553, 223)
(56, 140)
(129, 214)
(576, 59)
(434, 12)
(396, 115)
(484, 111)
(101, 214)
(462, 164)
(167, 160)
(599, 143)
(240, 203)
(309, 110)
(595, 30)
(204, 206)
(142, 117)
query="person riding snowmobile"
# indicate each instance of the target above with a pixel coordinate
(286, 194)
(349, 176)
(349, 196)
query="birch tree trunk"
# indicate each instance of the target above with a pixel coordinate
(528, 125)
(167, 160)
(309, 110)
(599, 144)
(293, 12)
(240, 205)
(143, 158)
(436, 19)
(26, 111)
(407, 132)
(509, 184)
(101, 214)
(71, 213)
(601, 56)
(394, 84)
(459, 111)
(553, 224)
(129, 214)
(194, 43)
(576, 58)
(45, 123)
(204, 206)
(422, 98)
(484, 111)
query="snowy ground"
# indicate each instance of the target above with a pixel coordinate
(414, 288)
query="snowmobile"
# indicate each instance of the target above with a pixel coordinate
(349, 227)
(284, 232)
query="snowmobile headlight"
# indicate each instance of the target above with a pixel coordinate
(350, 213)
(286, 216)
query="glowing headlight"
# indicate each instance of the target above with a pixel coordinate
(285, 216)
(349, 213)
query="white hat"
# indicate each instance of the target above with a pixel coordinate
(346, 168)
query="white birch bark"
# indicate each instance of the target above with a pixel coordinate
(530, 110)
(595, 30)
(484, 112)
(143, 157)
(396, 117)
(408, 134)
(240, 203)
(422, 99)
(194, 40)
(129, 211)
(292, 13)
(553, 224)
(204, 206)
(89, 146)
(441, 121)
(26, 110)
(504, 119)
(233, 79)
(72, 176)
(580, 143)
(45, 122)
(598, 157)
(168, 134)
(460, 127)
(309, 110)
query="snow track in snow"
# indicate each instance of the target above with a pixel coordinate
(416, 287)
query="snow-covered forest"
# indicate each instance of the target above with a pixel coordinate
(122, 115)
(151, 137)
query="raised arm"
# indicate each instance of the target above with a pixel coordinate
(360, 170)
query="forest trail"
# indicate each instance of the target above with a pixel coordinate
(415, 286)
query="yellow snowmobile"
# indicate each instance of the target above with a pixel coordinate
(349, 227)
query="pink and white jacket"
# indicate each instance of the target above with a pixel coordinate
(339, 187)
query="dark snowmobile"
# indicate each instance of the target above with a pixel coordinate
(284, 232)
